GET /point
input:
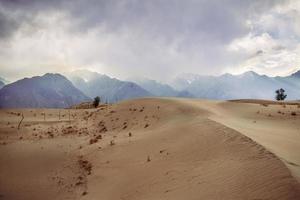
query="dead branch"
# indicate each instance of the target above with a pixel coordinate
(21, 121)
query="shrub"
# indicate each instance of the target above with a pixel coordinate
(96, 101)
(280, 94)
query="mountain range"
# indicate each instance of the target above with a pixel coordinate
(160, 89)
(108, 89)
(248, 85)
(57, 91)
(48, 91)
(1, 84)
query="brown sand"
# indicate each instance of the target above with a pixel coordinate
(151, 149)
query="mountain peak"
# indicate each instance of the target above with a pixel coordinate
(250, 73)
(107, 88)
(48, 91)
(53, 76)
(86, 75)
(296, 74)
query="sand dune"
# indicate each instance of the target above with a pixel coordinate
(274, 125)
(151, 149)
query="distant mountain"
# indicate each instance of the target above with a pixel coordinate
(296, 74)
(160, 89)
(185, 94)
(56, 91)
(155, 87)
(4, 80)
(48, 91)
(1, 84)
(108, 89)
(246, 85)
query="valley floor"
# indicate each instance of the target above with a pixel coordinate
(152, 148)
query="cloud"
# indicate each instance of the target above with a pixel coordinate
(275, 34)
(152, 38)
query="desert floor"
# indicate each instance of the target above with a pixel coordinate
(152, 148)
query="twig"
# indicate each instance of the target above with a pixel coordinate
(20, 121)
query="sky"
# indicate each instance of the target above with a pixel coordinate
(156, 39)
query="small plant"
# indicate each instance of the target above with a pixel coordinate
(280, 94)
(96, 101)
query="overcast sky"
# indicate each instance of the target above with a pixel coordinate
(158, 39)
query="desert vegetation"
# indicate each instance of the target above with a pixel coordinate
(280, 94)
(96, 101)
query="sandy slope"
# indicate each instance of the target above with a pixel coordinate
(269, 123)
(147, 149)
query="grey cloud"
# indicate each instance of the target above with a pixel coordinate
(14, 13)
(146, 36)
(7, 26)
(219, 20)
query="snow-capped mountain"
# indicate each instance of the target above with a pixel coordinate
(246, 85)
(108, 89)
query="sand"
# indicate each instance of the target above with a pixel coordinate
(151, 149)
(274, 125)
